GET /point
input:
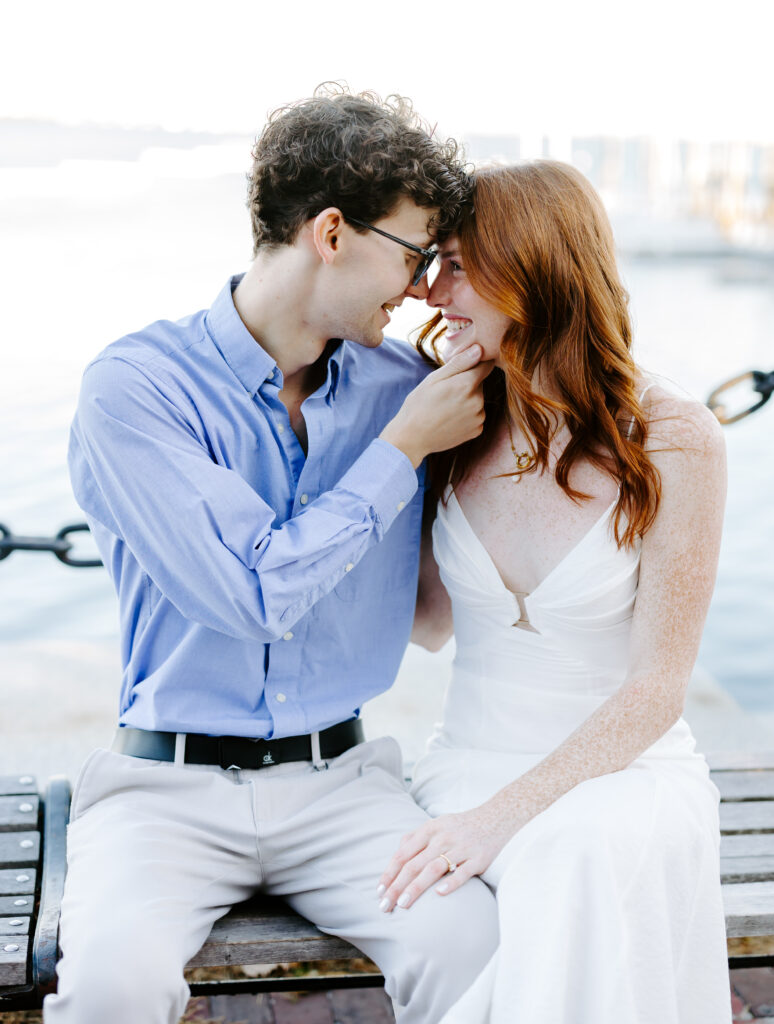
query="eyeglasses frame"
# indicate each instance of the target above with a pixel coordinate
(428, 255)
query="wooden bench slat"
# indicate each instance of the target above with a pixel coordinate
(747, 869)
(751, 845)
(747, 816)
(22, 783)
(742, 760)
(13, 905)
(749, 909)
(268, 932)
(745, 785)
(13, 961)
(19, 849)
(18, 813)
(17, 925)
(15, 881)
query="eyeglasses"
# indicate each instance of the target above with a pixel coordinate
(426, 256)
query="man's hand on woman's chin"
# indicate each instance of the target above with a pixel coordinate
(444, 411)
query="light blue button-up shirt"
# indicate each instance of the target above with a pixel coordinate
(262, 592)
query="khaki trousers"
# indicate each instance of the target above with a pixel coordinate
(158, 851)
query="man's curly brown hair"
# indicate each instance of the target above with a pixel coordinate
(358, 153)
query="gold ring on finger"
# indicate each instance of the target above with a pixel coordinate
(449, 865)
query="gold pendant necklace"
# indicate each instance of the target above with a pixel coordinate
(523, 459)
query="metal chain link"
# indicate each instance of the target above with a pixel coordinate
(59, 546)
(761, 384)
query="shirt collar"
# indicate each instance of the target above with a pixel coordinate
(335, 364)
(252, 364)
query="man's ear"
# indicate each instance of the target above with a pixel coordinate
(326, 233)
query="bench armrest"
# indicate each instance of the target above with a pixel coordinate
(45, 947)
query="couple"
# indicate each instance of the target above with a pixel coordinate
(256, 487)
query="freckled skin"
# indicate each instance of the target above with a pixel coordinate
(530, 526)
(527, 529)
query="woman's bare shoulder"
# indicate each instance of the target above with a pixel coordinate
(678, 422)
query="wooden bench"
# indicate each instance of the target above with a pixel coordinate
(262, 931)
(746, 784)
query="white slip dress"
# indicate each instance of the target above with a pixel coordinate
(609, 901)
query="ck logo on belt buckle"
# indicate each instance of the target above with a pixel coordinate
(268, 759)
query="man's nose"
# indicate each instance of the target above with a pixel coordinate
(418, 291)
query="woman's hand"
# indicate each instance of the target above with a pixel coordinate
(470, 840)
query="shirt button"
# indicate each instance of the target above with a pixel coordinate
(281, 698)
(288, 636)
(280, 428)
(304, 499)
(401, 505)
(349, 567)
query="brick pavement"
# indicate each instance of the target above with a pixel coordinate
(337, 1006)
(752, 993)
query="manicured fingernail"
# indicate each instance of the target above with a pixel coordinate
(380, 889)
(403, 899)
(384, 905)
(443, 887)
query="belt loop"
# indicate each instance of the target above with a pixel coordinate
(317, 762)
(180, 749)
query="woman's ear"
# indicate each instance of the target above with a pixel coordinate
(326, 233)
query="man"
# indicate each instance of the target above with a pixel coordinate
(255, 488)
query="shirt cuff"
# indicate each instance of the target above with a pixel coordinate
(385, 477)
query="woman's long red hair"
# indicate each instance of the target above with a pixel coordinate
(539, 247)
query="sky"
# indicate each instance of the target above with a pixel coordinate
(665, 68)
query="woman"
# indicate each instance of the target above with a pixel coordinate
(577, 539)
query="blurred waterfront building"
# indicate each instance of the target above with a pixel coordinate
(682, 197)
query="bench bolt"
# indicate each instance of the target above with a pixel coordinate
(25, 807)
(16, 921)
(11, 948)
(20, 903)
(26, 844)
(22, 878)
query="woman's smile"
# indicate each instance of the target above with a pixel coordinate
(455, 325)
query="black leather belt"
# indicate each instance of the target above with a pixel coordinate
(238, 751)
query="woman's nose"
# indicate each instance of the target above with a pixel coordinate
(437, 294)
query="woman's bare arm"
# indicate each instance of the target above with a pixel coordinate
(433, 615)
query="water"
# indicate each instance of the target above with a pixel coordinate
(700, 324)
(91, 250)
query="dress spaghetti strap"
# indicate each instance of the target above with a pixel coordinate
(640, 397)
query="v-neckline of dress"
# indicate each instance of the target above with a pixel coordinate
(522, 593)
